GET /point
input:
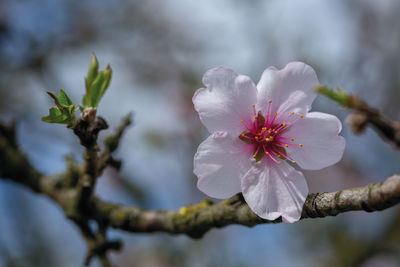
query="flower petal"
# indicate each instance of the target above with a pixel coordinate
(273, 190)
(219, 163)
(290, 89)
(321, 144)
(227, 99)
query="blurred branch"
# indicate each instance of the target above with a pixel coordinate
(193, 220)
(364, 114)
(87, 129)
(111, 144)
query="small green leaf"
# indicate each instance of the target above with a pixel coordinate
(108, 73)
(92, 71)
(96, 84)
(54, 112)
(64, 112)
(55, 116)
(64, 99)
(95, 89)
(55, 98)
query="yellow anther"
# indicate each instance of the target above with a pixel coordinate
(301, 145)
(264, 129)
(255, 117)
(301, 116)
(279, 162)
(242, 135)
(267, 139)
(266, 115)
(253, 106)
(276, 113)
(276, 132)
(269, 130)
(292, 139)
(267, 153)
(283, 124)
(292, 112)
(241, 121)
(254, 156)
(270, 101)
(293, 161)
(279, 156)
(286, 145)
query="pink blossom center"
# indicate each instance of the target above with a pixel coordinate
(265, 134)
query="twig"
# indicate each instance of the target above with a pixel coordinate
(364, 114)
(111, 144)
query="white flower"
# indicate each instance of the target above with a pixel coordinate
(257, 132)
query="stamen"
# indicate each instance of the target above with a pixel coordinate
(292, 139)
(288, 125)
(273, 119)
(287, 118)
(271, 157)
(301, 116)
(292, 112)
(286, 145)
(301, 145)
(280, 154)
(241, 121)
(255, 153)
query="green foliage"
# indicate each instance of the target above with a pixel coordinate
(339, 96)
(64, 112)
(96, 84)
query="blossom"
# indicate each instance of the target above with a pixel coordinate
(258, 132)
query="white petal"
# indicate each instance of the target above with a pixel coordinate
(273, 190)
(322, 146)
(227, 99)
(219, 163)
(290, 89)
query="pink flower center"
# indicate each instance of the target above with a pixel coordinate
(266, 135)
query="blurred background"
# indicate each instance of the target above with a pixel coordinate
(159, 51)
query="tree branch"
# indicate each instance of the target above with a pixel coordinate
(111, 144)
(197, 219)
(194, 220)
(364, 114)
